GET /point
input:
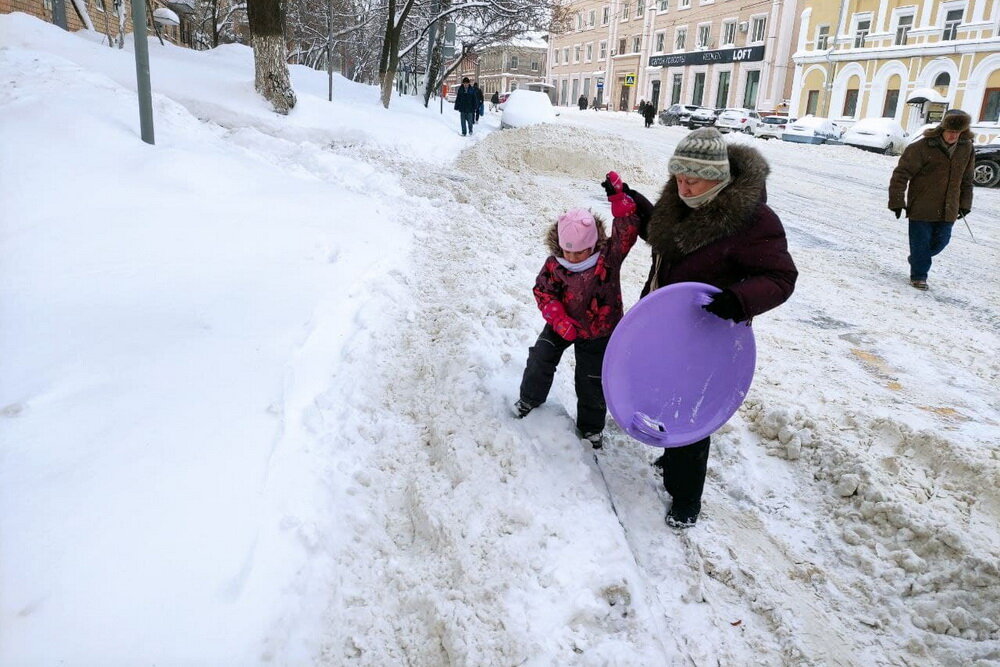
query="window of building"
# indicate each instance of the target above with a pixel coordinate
(757, 25)
(680, 39)
(101, 7)
(640, 8)
(750, 91)
(603, 50)
(621, 46)
(812, 102)
(579, 21)
(661, 37)
(636, 43)
(823, 38)
(675, 89)
(861, 30)
(513, 62)
(699, 88)
(576, 53)
(942, 80)
(990, 112)
(534, 65)
(891, 101)
(704, 35)
(729, 32)
(851, 103)
(684, 4)
(903, 24)
(566, 55)
(626, 8)
(605, 14)
(663, 5)
(591, 18)
(590, 52)
(722, 91)
(555, 57)
(951, 22)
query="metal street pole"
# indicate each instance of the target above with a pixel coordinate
(59, 13)
(142, 70)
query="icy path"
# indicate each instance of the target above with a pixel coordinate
(852, 508)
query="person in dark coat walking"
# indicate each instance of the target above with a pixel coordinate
(649, 113)
(495, 100)
(712, 225)
(466, 102)
(579, 293)
(480, 110)
(582, 102)
(938, 168)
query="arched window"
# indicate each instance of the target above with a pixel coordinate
(943, 80)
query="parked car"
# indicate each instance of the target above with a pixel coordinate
(987, 173)
(772, 127)
(811, 130)
(701, 117)
(677, 114)
(883, 135)
(738, 120)
(527, 107)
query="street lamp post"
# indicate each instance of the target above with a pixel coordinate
(142, 70)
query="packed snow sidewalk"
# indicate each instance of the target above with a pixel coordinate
(268, 420)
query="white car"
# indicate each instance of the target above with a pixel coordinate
(811, 130)
(738, 120)
(919, 132)
(772, 127)
(527, 107)
(877, 134)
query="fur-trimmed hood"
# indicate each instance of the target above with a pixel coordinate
(552, 237)
(676, 230)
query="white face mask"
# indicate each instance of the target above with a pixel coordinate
(707, 196)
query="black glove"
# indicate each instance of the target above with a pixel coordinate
(610, 189)
(727, 306)
(897, 211)
(964, 211)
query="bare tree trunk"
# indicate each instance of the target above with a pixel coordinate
(266, 18)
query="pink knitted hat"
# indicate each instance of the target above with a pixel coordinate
(577, 230)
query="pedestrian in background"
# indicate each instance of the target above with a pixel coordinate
(495, 100)
(480, 109)
(649, 113)
(582, 102)
(465, 104)
(935, 175)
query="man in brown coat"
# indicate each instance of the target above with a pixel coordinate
(938, 168)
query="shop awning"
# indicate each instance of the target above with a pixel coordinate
(921, 95)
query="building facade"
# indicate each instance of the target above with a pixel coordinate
(904, 59)
(103, 16)
(716, 53)
(504, 68)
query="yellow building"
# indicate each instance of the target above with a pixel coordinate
(904, 59)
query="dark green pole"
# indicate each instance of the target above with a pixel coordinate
(142, 70)
(59, 13)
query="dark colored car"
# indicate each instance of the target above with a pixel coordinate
(987, 172)
(677, 114)
(703, 117)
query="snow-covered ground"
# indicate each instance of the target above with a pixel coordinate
(254, 390)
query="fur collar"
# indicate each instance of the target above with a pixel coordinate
(676, 230)
(552, 237)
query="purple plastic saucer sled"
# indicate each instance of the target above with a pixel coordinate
(673, 372)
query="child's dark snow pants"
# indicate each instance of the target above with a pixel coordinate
(544, 356)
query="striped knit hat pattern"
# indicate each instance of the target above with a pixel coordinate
(701, 154)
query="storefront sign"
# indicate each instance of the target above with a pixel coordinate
(744, 55)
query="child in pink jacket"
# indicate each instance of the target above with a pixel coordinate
(579, 293)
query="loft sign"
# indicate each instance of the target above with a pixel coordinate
(746, 54)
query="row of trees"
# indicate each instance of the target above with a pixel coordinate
(367, 40)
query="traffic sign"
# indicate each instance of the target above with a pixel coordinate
(629, 79)
(600, 85)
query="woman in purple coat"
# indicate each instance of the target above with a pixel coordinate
(712, 225)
